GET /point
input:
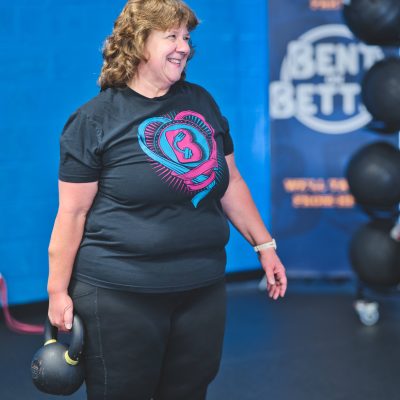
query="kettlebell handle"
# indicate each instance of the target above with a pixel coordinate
(77, 331)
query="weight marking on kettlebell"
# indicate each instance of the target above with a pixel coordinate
(36, 366)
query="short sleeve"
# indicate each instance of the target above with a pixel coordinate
(227, 138)
(80, 158)
(226, 135)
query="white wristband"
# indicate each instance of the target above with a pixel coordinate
(266, 245)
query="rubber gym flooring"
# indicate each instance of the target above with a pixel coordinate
(308, 346)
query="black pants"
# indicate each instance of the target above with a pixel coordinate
(140, 346)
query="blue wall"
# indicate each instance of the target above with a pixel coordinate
(49, 62)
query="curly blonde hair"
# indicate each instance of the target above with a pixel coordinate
(124, 49)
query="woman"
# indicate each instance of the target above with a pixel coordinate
(147, 179)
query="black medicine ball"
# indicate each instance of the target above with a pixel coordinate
(381, 92)
(374, 255)
(373, 174)
(374, 21)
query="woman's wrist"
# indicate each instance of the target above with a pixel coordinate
(267, 253)
(56, 289)
(270, 244)
(58, 294)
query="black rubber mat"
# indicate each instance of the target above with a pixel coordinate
(308, 346)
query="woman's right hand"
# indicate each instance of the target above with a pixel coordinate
(61, 310)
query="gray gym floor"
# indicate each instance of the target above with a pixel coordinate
(308, 346)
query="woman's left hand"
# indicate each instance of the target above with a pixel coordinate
(275, 272)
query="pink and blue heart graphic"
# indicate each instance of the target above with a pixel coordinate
(185, 149)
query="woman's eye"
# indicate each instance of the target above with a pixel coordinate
(172, 36)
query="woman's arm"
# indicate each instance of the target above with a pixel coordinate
(241, 210)
(75, 200)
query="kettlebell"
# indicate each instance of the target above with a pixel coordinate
(56, 367)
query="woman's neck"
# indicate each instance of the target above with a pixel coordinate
(147, 88)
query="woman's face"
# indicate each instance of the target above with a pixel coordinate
(167, 53)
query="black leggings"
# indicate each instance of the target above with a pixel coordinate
(140, 346)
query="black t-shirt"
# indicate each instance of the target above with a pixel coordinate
(156, 223)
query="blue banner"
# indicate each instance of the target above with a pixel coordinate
(317, 123)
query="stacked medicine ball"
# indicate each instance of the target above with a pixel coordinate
(373, 172)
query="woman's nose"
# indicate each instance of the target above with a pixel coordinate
(183, 46)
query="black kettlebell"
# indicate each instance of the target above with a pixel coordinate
(56, 367)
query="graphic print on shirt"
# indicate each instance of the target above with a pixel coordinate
(185, 151)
